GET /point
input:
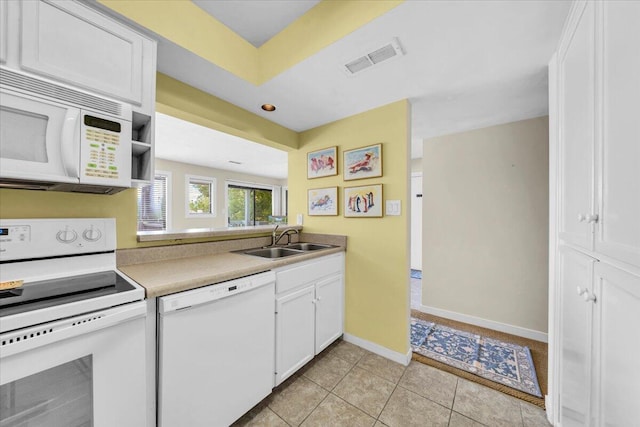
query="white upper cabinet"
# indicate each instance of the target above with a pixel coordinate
(618, 233)
(577, 86)
(76, 45)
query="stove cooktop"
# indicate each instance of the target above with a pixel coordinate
(50, 293)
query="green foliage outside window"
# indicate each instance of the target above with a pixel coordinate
(248, 206)
(199, 198)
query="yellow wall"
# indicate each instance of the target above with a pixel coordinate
(51, 204)
(377, 262)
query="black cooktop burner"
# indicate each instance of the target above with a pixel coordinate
(50, 293)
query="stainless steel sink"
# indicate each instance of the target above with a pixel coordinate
(272, 252)
(308, 246)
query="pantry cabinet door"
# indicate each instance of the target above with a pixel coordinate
(618, 233)
(576, 142)
(295, 320)
(78, 46)
(575, 277)
(617, 318)
(329, 311)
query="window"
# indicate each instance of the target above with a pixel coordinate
(249, 204)
(152, 204)
(201, 193)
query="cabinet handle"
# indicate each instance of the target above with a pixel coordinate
(582, 291)
(582, 217)
(592, 218)
(589, 297)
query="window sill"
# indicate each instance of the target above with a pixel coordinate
(199, 233)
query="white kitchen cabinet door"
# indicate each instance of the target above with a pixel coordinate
(329, 303)
(295, 319)
(576, 142)
(575, 274)
(618, 233)
(78, 46)
(616, 320)
(4, 31)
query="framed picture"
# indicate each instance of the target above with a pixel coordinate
(323, 201)
(363, 201)
(322, 163)
(365, 162)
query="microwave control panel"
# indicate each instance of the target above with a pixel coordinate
(106, 151)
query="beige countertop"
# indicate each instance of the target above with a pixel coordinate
(165, 277)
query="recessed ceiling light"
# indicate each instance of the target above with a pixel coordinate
(268, 107)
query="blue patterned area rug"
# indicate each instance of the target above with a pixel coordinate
(416, 274)
(504, 363)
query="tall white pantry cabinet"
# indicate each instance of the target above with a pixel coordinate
(594, 114)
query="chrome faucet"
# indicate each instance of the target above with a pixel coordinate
(287, 231)
(273, 235)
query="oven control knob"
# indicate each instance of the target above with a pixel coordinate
(92, 234)
(67, 235)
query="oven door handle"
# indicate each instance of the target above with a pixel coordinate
(26, 339)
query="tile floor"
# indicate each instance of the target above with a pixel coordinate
(348, 386)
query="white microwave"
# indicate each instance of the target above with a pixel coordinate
(49, 144)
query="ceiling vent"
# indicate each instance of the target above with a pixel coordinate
(384, 53)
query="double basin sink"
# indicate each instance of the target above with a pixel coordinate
(285, 251)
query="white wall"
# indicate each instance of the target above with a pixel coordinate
(485, 223)
(177, 212)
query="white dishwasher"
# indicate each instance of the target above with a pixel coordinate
(216, 351)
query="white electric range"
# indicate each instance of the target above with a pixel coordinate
(72, 337)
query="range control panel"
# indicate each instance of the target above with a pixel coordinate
(42, 238)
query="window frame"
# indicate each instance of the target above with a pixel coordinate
(168, 177)
(200, 179)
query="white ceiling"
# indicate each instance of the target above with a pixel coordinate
(468, 64)
(181, 141)
(256, 20)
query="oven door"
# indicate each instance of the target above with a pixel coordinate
(40, 139)
(88, 370)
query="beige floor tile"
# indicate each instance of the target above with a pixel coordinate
(381, 366)
(335, 412)
(430, 382)
(365, 390)
(533, 416)
(408, 409)
(379, 424)
(297, 400)
(487, 406)
(347, 351)
(264, 417)
(458, 420)
(328, 371)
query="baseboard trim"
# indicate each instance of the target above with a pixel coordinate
(378, 349)
(485, 323)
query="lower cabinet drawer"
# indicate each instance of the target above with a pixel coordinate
(292, 277)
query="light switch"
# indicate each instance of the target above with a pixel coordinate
(393, 207)
(299, 219)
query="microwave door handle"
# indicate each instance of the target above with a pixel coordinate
(69, 145)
